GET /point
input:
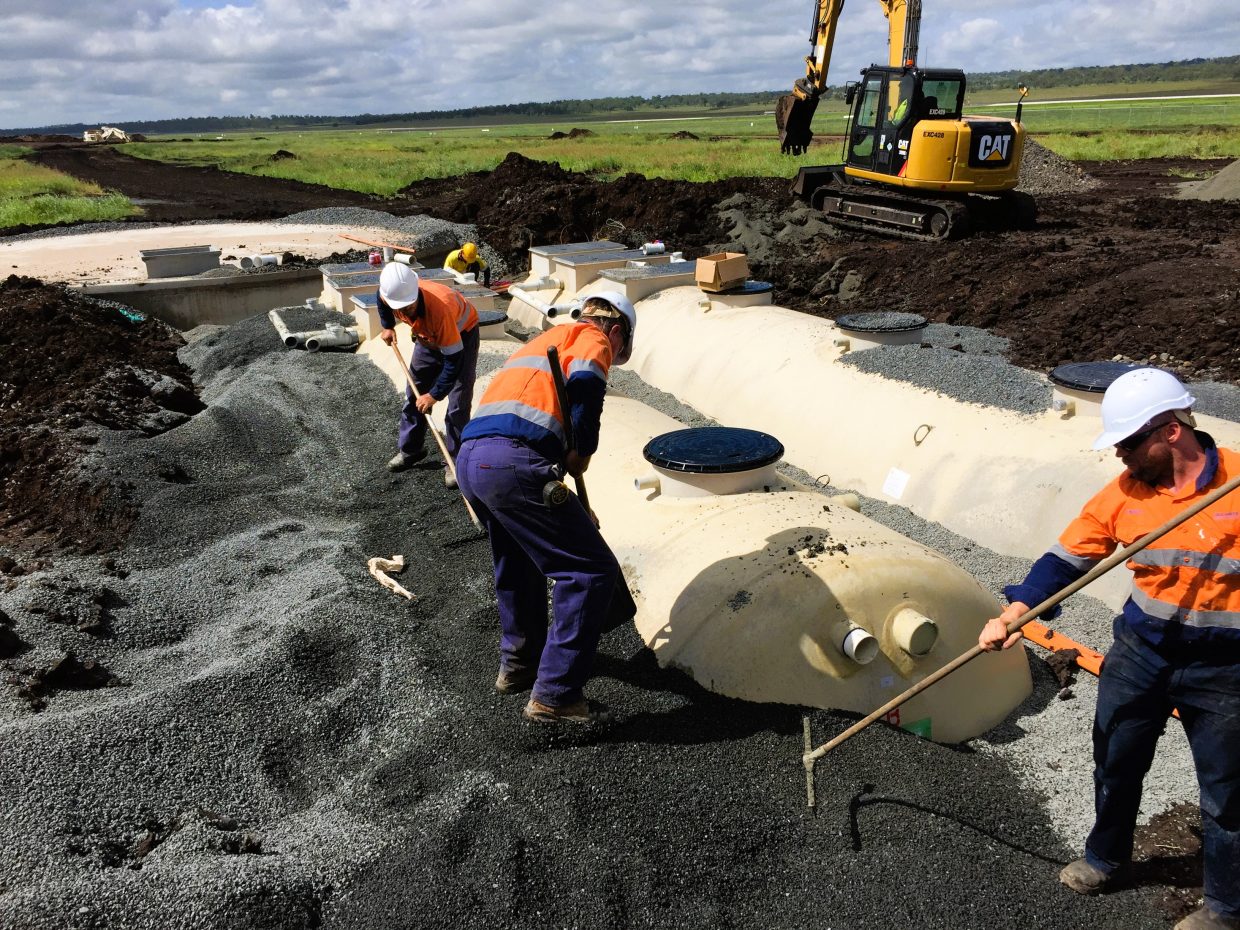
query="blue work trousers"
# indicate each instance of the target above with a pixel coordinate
(531, 542)
(1138, 689)
(425, 366)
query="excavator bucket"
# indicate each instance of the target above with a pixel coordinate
(793, 116)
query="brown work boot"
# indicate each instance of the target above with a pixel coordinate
(568, 713)
(1205, 919)
(1084, 878)
(515, 681)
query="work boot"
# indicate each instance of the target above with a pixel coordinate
(567, 713)
(1205, 919)
(515, 681)
(1084, 878)
(402, 460)
(449, 480)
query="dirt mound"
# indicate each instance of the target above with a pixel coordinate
(579, 133)
(1044, 172)
(68, 366)
(558, 135)
(683, 134)
(281, 155)
(37, 137)
(525, 202)
(1223, 186)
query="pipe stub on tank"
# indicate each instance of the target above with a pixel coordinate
(713, 450)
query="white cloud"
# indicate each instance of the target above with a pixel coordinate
(76, 61)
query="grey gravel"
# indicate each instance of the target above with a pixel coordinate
(979, 379)
(290, 745)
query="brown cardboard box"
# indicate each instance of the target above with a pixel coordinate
(721, 271)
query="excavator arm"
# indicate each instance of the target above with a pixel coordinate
(794, 112)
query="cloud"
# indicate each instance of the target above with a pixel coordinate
(75, 61)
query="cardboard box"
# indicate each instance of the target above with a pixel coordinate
(721, 271)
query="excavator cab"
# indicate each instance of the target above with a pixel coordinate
(887, 106)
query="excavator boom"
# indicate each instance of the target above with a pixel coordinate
(795, 112)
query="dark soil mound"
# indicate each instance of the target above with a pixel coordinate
(524, 202)
(558, 135)
(281, 155)
(68, 366)
(683, 134)
(579, 133)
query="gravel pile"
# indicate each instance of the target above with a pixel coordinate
(1223, 186)
(978, 379)
(285, 744)
(425, 233)
(1042, 172)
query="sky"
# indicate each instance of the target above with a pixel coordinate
(112, 61)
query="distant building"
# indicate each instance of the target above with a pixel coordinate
(105, 134)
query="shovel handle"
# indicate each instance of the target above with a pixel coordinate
(443, 446)
(1093, 574)
(561, 392)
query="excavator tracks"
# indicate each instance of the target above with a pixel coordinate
(890, 213)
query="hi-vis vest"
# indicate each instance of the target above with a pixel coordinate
(1192, 574)
(521, 401)
(445, 315)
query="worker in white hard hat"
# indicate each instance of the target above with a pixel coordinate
(466, 260)
(444, 363)
(513, 458)
(1177, 642)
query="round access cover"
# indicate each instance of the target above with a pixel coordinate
(881, 322)
(1094, 377)
(710, 450)
(491, 317)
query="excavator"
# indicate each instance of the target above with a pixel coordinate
(913, 164)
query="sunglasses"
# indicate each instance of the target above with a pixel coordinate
(1137, 439)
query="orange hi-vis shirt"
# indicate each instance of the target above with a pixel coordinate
(521, 402)
(1191, 576)
(445, 316)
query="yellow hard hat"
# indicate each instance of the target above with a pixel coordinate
(469, 251)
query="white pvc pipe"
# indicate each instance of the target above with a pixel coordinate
(550, 311)
(257, 261)
(859, 646)
(334, 336)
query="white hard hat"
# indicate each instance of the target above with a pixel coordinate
(1135, 398)
(398, 285)
(623, 305)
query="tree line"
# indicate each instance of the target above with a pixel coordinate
(1195, 69)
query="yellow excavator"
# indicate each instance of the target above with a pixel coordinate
(911, 159)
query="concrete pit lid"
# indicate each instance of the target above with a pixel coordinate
(713, 450)
(1091, 377)
(891, 322)
(491, 317)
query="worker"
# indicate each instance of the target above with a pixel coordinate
(1177, 642)
(511, 463)
(466, 260)
(444, 361)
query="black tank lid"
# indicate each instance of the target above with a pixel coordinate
(490, 317)
(1094, 377)
(881, 322)
(713, 450)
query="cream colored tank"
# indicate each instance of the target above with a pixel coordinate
(774, 593)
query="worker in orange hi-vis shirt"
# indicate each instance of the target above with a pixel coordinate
(1177, 642)
(444, 363)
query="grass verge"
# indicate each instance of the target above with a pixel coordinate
(31, 195)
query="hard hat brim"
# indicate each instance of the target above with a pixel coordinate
(1111, 437)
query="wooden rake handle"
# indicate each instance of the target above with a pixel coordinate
(430, 424)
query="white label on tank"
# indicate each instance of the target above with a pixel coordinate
(895, 484)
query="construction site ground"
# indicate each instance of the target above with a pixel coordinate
(212, 716)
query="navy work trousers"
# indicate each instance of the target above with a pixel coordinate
(531, 542)
(425, 366)
(1138, 689)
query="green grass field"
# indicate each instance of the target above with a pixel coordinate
(383, 159)
(31, 195)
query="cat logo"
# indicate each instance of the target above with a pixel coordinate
(994, 148)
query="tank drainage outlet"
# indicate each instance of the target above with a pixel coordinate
(859, 645)
(915, 633)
